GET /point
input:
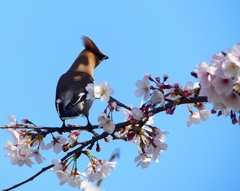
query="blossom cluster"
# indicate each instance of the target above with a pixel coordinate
(220, 81)
(22, 149)
(202, 114)
(96, 170)
(148, 139)
(103, 91)
(163, 92)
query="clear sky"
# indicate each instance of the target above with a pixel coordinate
(40, 40)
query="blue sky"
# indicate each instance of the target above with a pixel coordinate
(40, 40)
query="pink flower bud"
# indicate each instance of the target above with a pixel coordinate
(213, 111)
(186, 93)
(149, 77)
(26, 121)
(114, 105)
(98, 149)
(157, 79)
(171, 110)
(219, 113)
(65, 147)
(117, 108)
(176, 85)
(234, 121)
(194, 74)
(165, 77)
(106, 140)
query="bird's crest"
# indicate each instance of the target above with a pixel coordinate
(90, 45)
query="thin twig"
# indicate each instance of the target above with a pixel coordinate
(120, 104)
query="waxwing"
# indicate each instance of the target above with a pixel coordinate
(71, 94)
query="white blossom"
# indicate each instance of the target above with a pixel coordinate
(230, 69)
(143, 160)
(62, 176)
(102, 118)
(151, 147)
(38, 157)
(204, 74)
(222, 86)
(158, 97)
(106, 123)
(222, 107)
(75, 179)
(97, 90)
(12, 121)
(87, 186)
(56, 144)
(193, 118)
(204, 114)
(11, 148)
(40, 143)
(137, 113)
(99, 171)
(234, 55)
(20, 160)
(143, 88)
(90, 88)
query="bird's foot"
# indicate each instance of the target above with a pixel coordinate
(89, 126)
(63, 125)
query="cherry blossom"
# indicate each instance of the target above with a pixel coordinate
(87, 186)
(143, 88)
(56, 144)
(73, 136)
(106, 123)
(105, 92)
(137, 113)
(90, 89)
(204, 74)
(12, 121)
(11, 148)
(158, 97)
(143, 160)
(75, 179)
(100, 170)
(222, 86)
(38, 157)
(63, 173)
(234, 55)
(230, 69)
(193, 118)
(222, 107)
(97, 90)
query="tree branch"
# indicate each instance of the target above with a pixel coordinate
(96, 137)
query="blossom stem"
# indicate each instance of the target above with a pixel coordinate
(120, 104)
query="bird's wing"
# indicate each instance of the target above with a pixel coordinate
(71, 94)
(68, 107)
(75, 99)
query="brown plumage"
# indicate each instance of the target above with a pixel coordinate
(70, 99)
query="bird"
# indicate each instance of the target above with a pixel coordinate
(70, 101)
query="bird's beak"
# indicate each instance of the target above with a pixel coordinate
(105, 57)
